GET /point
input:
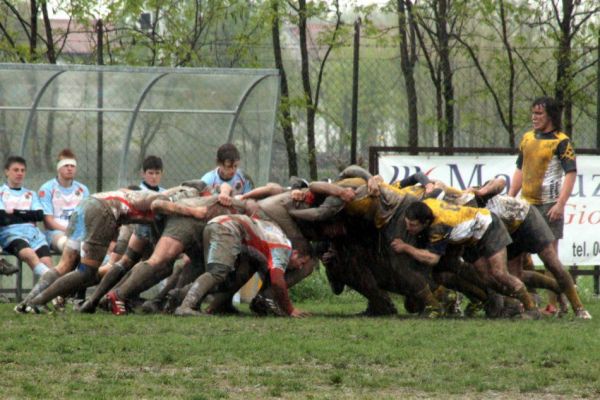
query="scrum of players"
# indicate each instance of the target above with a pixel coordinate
(201, 241)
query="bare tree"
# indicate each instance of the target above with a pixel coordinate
(408, 58)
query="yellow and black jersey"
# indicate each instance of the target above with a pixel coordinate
(363, 205)
(379, 209)
(417, 191)
(511, 210)
(544, 158)
(454, 224)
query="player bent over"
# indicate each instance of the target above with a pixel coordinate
(225, 237)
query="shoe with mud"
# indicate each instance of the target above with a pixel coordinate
(23, 308)
(87, 308)
(532, 314)
(494, 305)
(264, 306)
(183, 311)
(59, 304)
(473, 308)
(152, 307)
(583, 314)
(431, 312)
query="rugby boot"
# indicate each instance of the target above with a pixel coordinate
(117, 306)
(192, 300)
(152, 306)
(432, 312)
(264, 306)
(473, 308)
(7, 268)
(582, 314)
(531, 314)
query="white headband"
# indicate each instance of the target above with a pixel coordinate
(66, 161)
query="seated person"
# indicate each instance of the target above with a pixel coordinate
(20, 209)
(59, 197)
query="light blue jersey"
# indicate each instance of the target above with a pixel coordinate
(239, 183)
(20, 199)
(60, 202)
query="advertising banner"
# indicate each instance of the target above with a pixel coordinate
(581, 242)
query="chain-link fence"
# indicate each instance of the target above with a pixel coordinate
(382, 104)
(113, 117)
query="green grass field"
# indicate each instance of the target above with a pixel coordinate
(331, 355)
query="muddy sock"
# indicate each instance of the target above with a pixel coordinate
(45, 281)
(524, 297)
(574, 299)
(143, 277)
(198, 290)
(540, 281)
(111, 278)
(82, 277)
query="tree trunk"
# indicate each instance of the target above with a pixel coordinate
(33, 8)
(285, 119)
(310, 110)
(448, 88)
(407, 65)
(563, 68)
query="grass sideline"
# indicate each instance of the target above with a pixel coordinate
(331, 355)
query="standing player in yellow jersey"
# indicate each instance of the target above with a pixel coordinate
(545, 156)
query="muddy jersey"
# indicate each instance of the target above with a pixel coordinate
(453, 224)
(380, 209)
(511, 210)
(543, 159)
(59, 201)
(122, 205)
(260, 239)
(239, 183)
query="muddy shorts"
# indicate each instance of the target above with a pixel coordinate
(531, 236)
(91, 228)
(495, 238)
(186, 230)
(555, 226)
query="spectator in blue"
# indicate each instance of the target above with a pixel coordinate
(20, 210)
(59, 197)
(227, 178)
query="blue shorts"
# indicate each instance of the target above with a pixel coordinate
(31, 234)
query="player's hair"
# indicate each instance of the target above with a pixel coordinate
(419, 211)
(14, 160)
(552, 107)
(228, 151)
(66, 153)
(152, 162)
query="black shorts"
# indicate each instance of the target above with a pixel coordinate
(17, 245)
(555, 226)
(495, 238)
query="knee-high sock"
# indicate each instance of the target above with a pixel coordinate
(81, 277)
(46, 280)
(143, 276)
(538, 280)
(199, 289)
(108, 281)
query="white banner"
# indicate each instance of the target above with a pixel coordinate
(581, 242)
